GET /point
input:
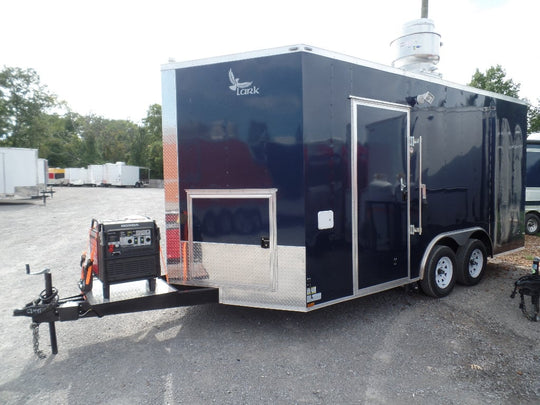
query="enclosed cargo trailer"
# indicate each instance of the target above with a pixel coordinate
(119, 174)
(296, 178)
(43, 173)
(18, 172)
(76, 176)
(95, 175)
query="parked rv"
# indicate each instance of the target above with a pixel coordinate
(296, 178)
(57, 176)
(532, 194)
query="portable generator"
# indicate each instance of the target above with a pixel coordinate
(120, 251)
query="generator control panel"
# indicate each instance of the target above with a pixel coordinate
(129, 238)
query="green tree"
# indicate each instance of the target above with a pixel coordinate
(494, 79)
(24, 102)
(154, 142)
(534, 118)
(29, 117)
(61, 146)
(104, 140)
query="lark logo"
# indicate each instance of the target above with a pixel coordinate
(241, 88)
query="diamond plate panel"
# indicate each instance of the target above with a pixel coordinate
(290, 291)
(244, 278)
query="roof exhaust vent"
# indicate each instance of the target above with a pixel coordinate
(417, 49)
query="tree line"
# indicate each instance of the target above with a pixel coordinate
(494, 79)
(31, 116)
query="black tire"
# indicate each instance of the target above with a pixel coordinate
(532, 223)
(471, 262)
(440, 272)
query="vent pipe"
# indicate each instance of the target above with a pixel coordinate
(417, 49)
(425, 7)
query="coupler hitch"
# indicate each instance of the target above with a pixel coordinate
(45, 309)
(42, 307)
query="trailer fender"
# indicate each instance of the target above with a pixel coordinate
(455, 239)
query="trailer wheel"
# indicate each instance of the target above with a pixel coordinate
(439, 275)
(532, 223)
(471, 262)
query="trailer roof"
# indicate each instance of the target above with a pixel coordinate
(334, 55)
(8, 148)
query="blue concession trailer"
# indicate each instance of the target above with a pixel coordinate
(296, 178)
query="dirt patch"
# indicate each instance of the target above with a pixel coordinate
(521, 258)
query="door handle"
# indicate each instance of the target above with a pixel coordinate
(403, 188)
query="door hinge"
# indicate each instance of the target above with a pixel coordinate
(413, 141)
(413, 230)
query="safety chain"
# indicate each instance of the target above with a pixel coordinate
(35, 340)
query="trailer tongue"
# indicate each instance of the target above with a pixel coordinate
(121, 274)
(125, 298)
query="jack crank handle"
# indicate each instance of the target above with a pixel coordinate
(52, 327)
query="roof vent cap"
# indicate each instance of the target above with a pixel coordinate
(417, 49)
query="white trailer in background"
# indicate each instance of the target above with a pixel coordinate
(43, 173)
(121, 175)
(18, 172)
(95, 175)
(76, 176)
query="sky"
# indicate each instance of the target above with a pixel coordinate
(104, 57)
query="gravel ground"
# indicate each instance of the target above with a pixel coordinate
(472, 347)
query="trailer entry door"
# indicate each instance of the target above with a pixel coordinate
(232, 238)
(380, 187)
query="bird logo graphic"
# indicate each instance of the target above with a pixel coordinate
(235, 83)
